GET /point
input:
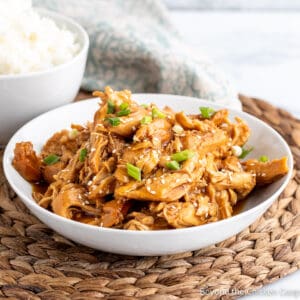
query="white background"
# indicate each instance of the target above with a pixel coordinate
(258, 50)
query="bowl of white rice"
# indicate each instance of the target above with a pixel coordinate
(42, 61)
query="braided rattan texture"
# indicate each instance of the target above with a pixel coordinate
(37, 263)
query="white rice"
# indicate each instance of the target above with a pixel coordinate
(30, 42)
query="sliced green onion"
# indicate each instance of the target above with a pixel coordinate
(156, 113)
(245, 152)
(110, 107)
(123, 106)
(82, 154)
(264, 158)
(124, 112)
(183, 155)
(51, 159)
(145, 105)
(173, 165)
(206, 112)
(134, 172)
(146, 120)
(113, 121)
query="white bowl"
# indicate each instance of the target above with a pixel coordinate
(24, 96)
(263, 138)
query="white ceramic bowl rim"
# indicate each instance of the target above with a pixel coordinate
(154, 233)
(79, 30)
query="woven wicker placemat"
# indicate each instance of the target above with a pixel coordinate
(37, 263)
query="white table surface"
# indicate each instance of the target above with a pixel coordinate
(260, 52)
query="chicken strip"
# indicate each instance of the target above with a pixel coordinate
(26, 162)
(267, 172)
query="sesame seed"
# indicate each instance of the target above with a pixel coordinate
(177, 128)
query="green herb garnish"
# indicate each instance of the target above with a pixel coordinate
(113, 121)
(173, 165)
(245, 152)
(110, 107)
(145, 105)
(146, 120)
(134, 172)
(51, 159)
(124, 112)
(182, 156)
(156, 113)
(123, 106)
(264, 158)
(82, 154)
(206, 112)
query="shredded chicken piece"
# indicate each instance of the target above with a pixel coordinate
(26, 162)
(140, 167)
(113, 212)
(139, 221)
(185, 214)
(70, 200)
(64, 144)
(267, 172)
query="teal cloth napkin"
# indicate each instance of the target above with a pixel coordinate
(134, 45)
